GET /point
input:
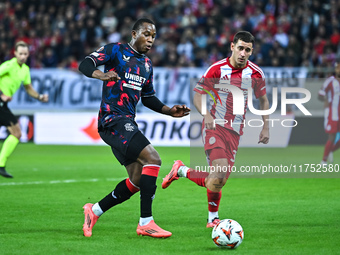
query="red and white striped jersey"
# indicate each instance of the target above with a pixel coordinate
(251, 76)
(331, 90)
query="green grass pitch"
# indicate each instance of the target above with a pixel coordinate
(41, 208)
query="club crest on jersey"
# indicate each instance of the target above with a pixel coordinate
(125, 58)
(147, 67)
(128, 127)
(212, 140)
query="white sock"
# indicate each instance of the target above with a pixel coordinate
(182, 171)
(145, 221)
(97, 210)
(212, 216)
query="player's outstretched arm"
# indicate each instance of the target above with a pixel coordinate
(33, 93)
(208, 119)
(264, 135)
(88, 68)
(177, 111)
(109, 76)
(156, 105)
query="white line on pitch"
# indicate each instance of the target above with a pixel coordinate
(57, 181)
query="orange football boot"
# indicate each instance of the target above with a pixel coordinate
(172, 175)
(213, 223)
(90, 219)
(153, 230)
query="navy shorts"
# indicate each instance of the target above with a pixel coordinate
(7, 118)
(125, 139)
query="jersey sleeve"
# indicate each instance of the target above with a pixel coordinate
(5, 68)
(259, 84)
(104, 54)
(325, 86)
(148, 89)
(27, 80)
(207, 81)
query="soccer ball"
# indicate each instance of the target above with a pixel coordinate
(227, 234)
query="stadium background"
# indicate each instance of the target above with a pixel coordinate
(297, 43)
(191, 35)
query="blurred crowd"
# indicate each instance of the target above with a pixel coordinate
(190, 33)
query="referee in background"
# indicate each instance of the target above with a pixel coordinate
(13, 73)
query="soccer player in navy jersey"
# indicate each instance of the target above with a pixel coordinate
(127, 77)
(221, 138)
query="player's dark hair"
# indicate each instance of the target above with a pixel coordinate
(140, 22)
(244, 36)
(20, 43)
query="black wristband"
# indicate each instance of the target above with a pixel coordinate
(153, 103)
(87, 67)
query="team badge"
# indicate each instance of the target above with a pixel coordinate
(147, 67)
(128, 127)
(125, 58)
(212, 140)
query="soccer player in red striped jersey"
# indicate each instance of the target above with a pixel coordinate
(330, 94)
(221, 139)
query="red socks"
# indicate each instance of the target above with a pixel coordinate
(328, 149)
(133, 188)
(214, 199)
(197, 177)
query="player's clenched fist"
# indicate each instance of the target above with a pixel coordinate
(109, 76)
(179, 111)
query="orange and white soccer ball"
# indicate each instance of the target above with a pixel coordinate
(227, 234)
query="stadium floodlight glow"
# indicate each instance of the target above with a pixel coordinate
(239, 104)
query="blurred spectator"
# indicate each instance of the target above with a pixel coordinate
(109, 21)
(113, 36)
(256, 18)
(91, 33)
(50, 58)
(185, 48)
(201, 38)
(270, 7)
(305, 26)
(281, 37)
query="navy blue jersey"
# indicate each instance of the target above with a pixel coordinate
(119, 99)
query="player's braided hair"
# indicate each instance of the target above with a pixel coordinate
(140, 22)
